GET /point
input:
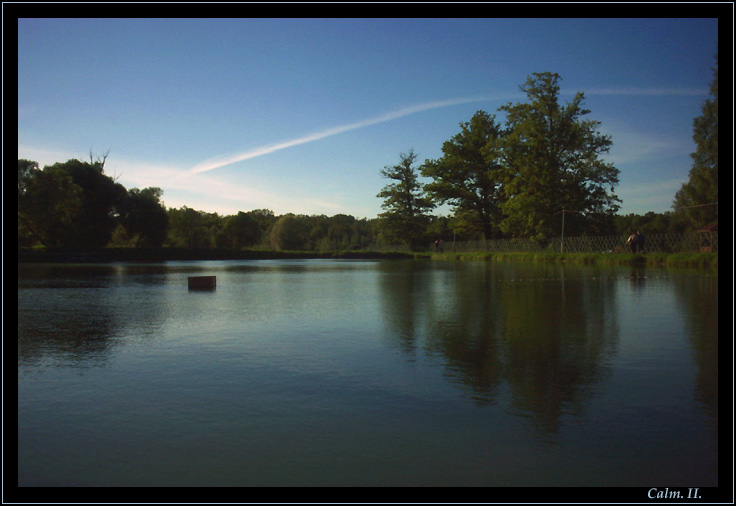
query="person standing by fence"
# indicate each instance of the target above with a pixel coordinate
(631, 242)
(640, 242)
(636, 242)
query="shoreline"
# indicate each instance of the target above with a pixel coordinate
(698, 260)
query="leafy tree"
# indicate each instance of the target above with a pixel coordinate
(341, 231)
(240, 231)
(289, 233)
(441, 227)
(467, 175)
(265, 219)
(188, 228)
(406, 207)
(318, 234)
(49, 203)
(26, 171)
(652, 223)
(145, 219)
(697, 197)
(551, 162)
(101, 201)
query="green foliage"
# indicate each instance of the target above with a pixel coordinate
(552, 162)
(101, 200)
(49, 203)
(467, 175)
(242, 230)
(652, 223)
(289, 234)
(189, 228)
(144, 218)
(70, 204)
(697, 199)
(26, 171)
(407, 208)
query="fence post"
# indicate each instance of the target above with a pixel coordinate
(562, 238)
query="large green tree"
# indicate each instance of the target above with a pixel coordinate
(70, 204)
(49, 203)
(239, 231)
(26, 170)
(144, 217)
(698, 198)
(189, 228)
(289, 232)
(101, 201)
(467, 175)
(406, 205)
(552, 162)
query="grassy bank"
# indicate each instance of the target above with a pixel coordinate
(48, 255)
(701, 260)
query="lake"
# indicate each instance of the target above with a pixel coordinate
(367, 373)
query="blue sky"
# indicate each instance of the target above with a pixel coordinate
(300, 115)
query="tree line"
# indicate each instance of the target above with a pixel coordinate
(539, 170)
(500, 181)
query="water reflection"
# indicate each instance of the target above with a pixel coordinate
(403, 290)
(440, 368)
(637, 278)
(697, 298)
(559, 335)
(534, 333)
(463, 324)
(546, 337)
(74, 315)
(81, 334)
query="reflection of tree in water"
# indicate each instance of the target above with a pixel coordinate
(697, 296)
(403, 285)
(71, 315)
(558, 334)
(66, 326)
(462, 326)
(546, 336)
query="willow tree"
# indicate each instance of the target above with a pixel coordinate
(698, 198)
(467, 175)
(406, 205)
(552, 163)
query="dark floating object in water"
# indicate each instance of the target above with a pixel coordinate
(202, 282)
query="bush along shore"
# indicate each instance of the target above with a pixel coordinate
(36, 255)
(701, 260)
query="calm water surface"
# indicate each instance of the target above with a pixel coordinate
(366, 373)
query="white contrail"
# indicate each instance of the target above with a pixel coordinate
(214, 164)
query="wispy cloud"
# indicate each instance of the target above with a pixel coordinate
(264, 150)
(207, 193)
(642, 197)
(637, 147)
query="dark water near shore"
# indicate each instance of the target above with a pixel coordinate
(326, 373)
